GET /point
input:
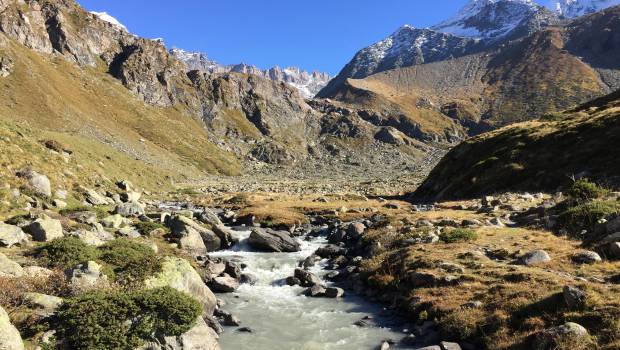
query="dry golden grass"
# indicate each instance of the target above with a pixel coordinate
(517, 301)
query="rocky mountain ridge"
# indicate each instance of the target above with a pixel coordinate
(308, 84)
(486, 83)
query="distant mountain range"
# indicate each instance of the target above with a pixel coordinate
(308, 84)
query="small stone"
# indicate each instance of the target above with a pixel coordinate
(587, 257)
(9, 268)
(333, 292)
(575, 298)
(86, 277)
(59, 203)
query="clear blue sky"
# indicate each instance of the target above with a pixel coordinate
(314, 35)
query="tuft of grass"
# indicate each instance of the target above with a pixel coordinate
(458, 235)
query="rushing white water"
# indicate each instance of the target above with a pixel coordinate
(283, 319)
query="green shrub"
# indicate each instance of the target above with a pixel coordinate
(458, 235)
(145, 228)
(129, 262)
(585, 190)
(122, 321)
(584, 216)
(65, 252)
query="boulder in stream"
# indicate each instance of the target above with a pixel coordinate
(273, 241)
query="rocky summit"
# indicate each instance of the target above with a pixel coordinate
(453, 187)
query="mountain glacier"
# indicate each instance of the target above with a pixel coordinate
(308, 84)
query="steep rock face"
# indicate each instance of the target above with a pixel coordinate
(147, 69)
(271, 107)
(308, 84)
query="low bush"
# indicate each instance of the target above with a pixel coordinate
(65, 252)
(122, 321)
(585, 190)
(146, 228)
(584, 216)
(124, 260)
(129, 262)
(458, 235)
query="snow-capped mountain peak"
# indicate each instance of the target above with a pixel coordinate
(104, 16)
(488, 19)
(308, 84)
(576, 8)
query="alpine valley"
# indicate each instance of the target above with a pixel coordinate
(452, 187)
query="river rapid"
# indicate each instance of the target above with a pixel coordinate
(281, 318)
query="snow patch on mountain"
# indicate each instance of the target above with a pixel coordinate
(308, 84)
(576, 8)
(104, 16)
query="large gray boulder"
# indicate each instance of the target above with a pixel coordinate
(39, 183)
(95, 198)
(224, 284)
(129, 209)
(193, 237)
(200, 337)
(568, 333)
(9, 268)
(11, 235)
(272, 241)
(10, 339)
(94, 238)
(179, 274)
(45, 229)
(536, 257)
(44, 305)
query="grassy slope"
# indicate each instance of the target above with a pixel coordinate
(531, 156)
(110, 131)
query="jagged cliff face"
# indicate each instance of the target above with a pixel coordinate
(258, 116)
